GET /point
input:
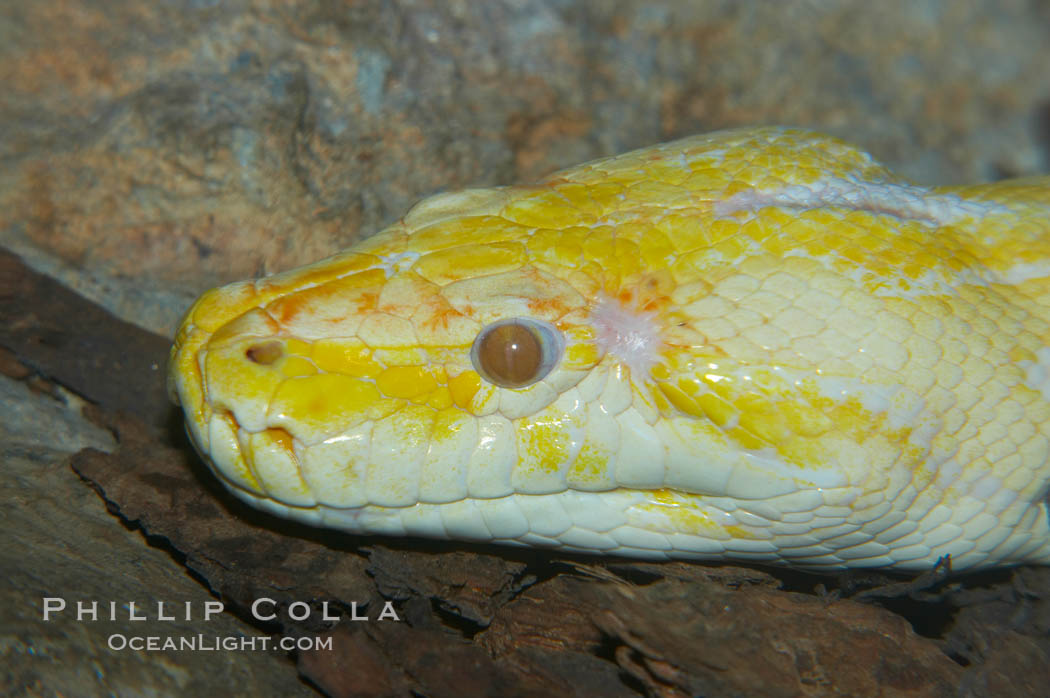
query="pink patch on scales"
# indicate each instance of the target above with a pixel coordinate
(630, 335)
(904, 201)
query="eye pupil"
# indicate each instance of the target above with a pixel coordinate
(510, 355)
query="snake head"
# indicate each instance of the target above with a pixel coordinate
(757, 344)
(438, 363)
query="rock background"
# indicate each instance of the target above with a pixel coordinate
(151, 150)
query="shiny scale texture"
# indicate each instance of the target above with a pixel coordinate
(772, 349)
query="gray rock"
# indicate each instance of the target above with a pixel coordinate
(60, 542)
(35, 421)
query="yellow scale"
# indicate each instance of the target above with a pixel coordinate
(755, 344)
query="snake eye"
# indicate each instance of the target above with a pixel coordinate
(516, 352)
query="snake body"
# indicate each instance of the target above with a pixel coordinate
(754, 344)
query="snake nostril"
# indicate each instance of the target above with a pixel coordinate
(264, 353)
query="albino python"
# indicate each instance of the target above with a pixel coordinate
(755, 344)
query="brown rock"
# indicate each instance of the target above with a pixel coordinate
(151, 150)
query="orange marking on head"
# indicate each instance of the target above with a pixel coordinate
(281, 438)
(367, 302)
(440, 316)
(553, 306)
(287, 309)
(655, 304)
